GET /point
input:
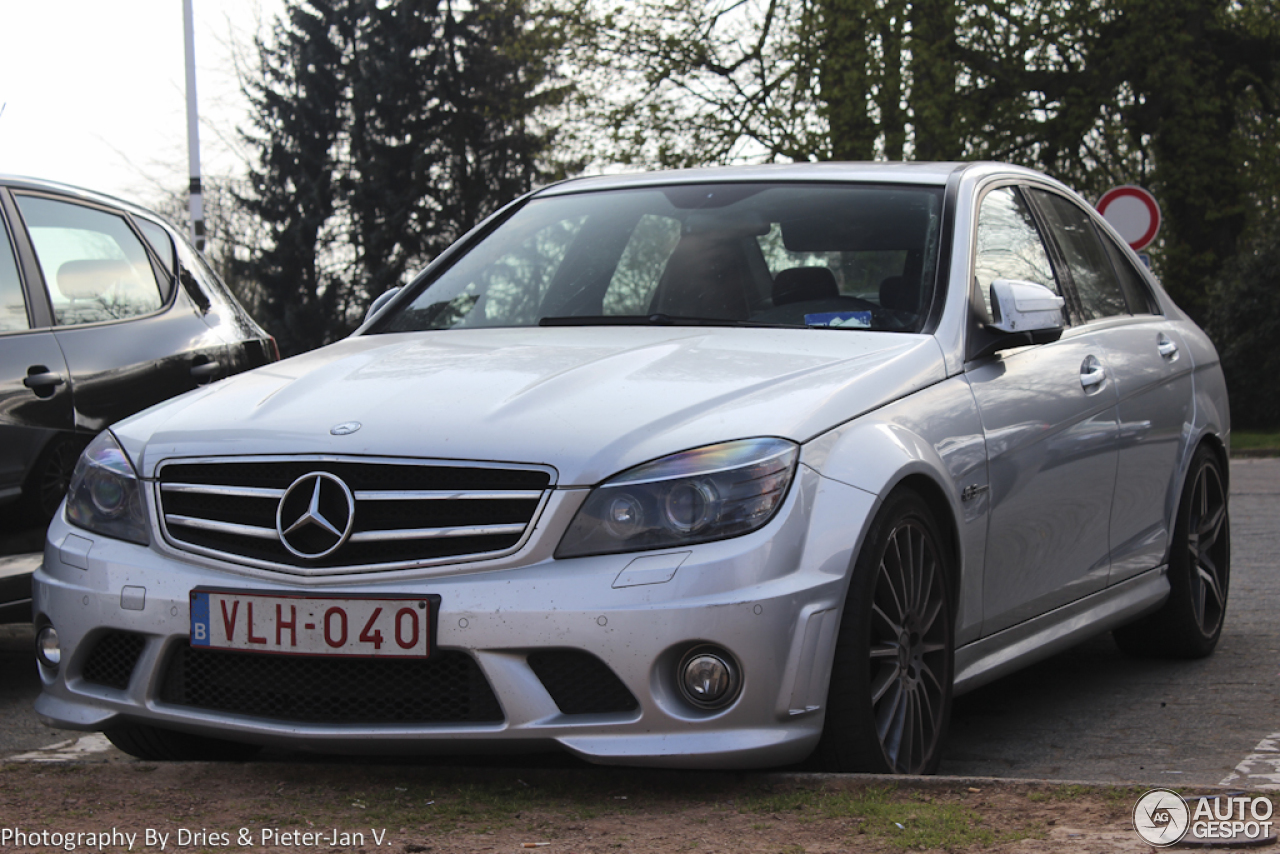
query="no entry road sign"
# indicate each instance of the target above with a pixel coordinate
(1133, 212)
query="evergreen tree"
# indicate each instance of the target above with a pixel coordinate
(384, 131)
(300, 97)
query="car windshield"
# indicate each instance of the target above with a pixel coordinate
(843, 256)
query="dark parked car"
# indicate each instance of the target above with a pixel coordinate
(104, 310)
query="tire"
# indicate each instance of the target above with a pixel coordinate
(49, 478)
(166, 745)
(889, 704)
(1190, 622)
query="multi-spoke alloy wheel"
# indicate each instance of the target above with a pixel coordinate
(49, 478)
(1208, 548)
(1189, 624)
(890, 696)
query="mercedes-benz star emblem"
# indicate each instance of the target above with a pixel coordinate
(315, 515)
(346, 428)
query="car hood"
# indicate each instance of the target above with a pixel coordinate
(588, 401)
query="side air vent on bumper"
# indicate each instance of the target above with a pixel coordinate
(112, 659)
(580, 683)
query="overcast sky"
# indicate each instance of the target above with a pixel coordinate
(94, 92)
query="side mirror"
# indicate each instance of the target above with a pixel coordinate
(376, 306)
(1025, 307)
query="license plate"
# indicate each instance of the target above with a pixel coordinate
(362, 626)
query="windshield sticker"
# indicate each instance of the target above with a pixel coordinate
(855, 319)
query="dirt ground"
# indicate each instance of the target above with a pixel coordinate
(402, 809)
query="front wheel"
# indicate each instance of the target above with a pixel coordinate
(890, 697)
(1190, 622)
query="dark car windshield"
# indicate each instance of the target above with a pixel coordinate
(846, 256)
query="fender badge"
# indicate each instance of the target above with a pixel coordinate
(346, 428)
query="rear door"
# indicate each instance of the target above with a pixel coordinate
(130, 335)
(1152, 378)
(35, 392)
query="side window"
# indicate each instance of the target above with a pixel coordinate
(13, 306)
(1009, 246)
(1090, 268)
(94, 265)
(1131, 281)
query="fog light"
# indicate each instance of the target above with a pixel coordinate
(48, 652)
(709, 677)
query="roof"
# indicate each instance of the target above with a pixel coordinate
(925, 174)
(24, 182)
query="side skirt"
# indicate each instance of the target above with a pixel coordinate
(1013, 648)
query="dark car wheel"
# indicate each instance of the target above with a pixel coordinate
(890, 698)
(1190, 622)
(50, 477)
(165, 745)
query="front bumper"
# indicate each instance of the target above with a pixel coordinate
(771, 599)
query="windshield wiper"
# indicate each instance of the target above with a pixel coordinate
(646, 320)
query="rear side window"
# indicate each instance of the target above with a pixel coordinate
(1087, 262)
(13, 306)
(160, 242)
(1132, 283)
(94, 266)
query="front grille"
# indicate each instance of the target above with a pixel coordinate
(112, 659)
(580, 683)
(400, 513)
(446, 688)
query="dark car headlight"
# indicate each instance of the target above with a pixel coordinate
(105, 494)
(708, 493)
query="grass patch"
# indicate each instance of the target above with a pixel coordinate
(1253, 440)
(904, 821)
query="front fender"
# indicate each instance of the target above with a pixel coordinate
(931, 441)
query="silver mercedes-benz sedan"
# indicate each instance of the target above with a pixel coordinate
(715, 468)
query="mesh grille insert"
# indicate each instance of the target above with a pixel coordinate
(580, 683)
(113, 658)
(446, 688)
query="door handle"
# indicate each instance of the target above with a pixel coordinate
(1092, 374)
(42, 381)
(1166, 348)
(206, 370)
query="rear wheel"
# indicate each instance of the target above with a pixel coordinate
(165, 745)
(890, 697)
(1190, 622)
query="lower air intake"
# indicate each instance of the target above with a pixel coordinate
(447, 688)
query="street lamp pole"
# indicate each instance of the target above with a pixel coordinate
(193, 128)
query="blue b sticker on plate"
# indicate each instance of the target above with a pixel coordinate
(852, 319)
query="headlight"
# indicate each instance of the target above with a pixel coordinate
(105, 495)
(708, 493)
